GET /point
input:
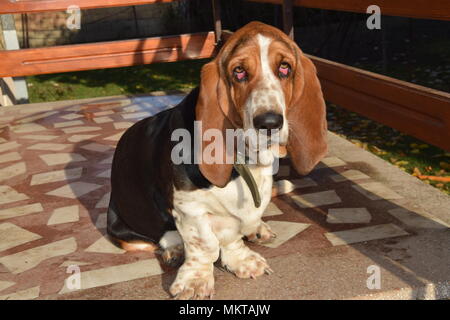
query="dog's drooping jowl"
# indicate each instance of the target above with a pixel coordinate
(198, 212)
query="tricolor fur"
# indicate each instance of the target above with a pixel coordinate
(208, 208)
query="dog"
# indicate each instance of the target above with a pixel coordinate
(260, 79)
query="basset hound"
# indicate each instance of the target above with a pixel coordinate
(260, 79)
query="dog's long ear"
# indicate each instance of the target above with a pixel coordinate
(214, 110)
(306, 115)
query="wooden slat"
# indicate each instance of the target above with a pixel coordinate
(217, 20)
(32, 6)
(425, 9)
(288, 18)
(418, 111)
(101, 55)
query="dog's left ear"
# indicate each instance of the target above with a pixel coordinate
(306, 115)
(214, 110)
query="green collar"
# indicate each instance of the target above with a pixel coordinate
(245, 173)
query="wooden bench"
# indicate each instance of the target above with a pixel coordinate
(416, 110)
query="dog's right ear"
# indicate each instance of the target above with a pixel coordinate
(214, 111)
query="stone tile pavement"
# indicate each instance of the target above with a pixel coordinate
(353, 211)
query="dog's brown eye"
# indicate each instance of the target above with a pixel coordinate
(240, 74)
(284, 70)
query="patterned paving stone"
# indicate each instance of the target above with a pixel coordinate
(381, 231)
(8, 195)
(6, 284)
(107, 160)
(285, 231)
(11, 156)
(115, 137)
(12, 236)
(286, 186)
(416, 220)
(330, 162)
(27, 294)
(8, 146)
(96, 147)
(131, 109)
(103, 245)
(82, 137)
(73, 108)
(57, 175)
(316, 199)
(42, 137)
(61, 158)
(68, 124)
(46, 203)
(122, 125)
(20, 211)
(116, 274)
(100, 223)
(5, 120)
(64, 215)
(80, 129)
(71, 116)
(28, 259)
(376, 191)
(349, 175)
(35, 116)
(103, 120)
(35, 109)
(272, 210)
(103, 113)
(104, 201)
(137, 115)
(74, 263)
(74, 190)
(104, 174)
(12, 171)
(27, 128)
(348, 215)
(49, 146)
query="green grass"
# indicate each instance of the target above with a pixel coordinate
(411, 155)
(119, 81)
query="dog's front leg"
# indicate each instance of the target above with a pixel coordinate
(195, 278)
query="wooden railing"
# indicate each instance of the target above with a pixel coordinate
(111, 54)
(99, 55)
(33, 6)
(424, 9)
(415, 110)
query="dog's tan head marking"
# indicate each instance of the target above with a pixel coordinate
(261, 79)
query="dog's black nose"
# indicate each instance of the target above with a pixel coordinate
(268, 120)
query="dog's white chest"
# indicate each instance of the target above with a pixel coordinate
(234, 200)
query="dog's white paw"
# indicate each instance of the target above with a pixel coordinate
(246, 264)
(193, 282)
(263, 234)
